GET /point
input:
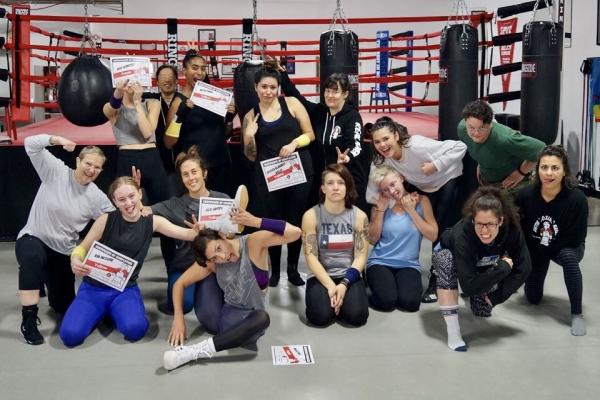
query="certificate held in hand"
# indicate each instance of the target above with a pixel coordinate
(211, 98)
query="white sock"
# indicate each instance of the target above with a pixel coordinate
(455, 340)
(577, 325)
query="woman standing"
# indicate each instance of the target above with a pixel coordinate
(191, 125)
(486, 252)
(232, 276)
(277, 127)
(393, 268)
(554, 216)
(65, 203)
(339, 131)
(432, 167)
(126, 231)
(334, 234)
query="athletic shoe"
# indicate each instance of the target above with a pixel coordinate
(294, 276)
(184, 354)
(29, 327)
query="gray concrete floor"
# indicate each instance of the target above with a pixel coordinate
(522, 352)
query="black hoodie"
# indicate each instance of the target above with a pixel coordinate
(342, 130)
(479, 266)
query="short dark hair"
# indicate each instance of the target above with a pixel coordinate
(201, 242)
(478, 109)
(392, 126)
(335, 79)
(568, 180)
(345, 174)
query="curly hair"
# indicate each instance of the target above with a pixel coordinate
(558, 151)
(496, 200)
(480, 110)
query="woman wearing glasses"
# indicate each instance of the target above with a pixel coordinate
(554, 220)
(486, 252)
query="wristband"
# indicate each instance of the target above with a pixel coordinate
(114, 102)
(523, 173)
(345, 282)
(173, 129)
(352, 275)
(273, 225)
(303, 140)
(79, 251)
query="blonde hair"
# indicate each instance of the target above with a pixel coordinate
(379, 174)
(92, 150)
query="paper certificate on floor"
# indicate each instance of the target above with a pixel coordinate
(297, 354)
(211, 98)
(214, 214)
(283, 172)
(109, 267)
(134, 69)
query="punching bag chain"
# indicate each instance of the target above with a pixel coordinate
(87, 37)
(338, 14)
(553, 38)
(460, 12)
(255, 36)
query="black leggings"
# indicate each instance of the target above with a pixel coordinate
(232, 326)
(288, 204)
(446, 207)
(354, 310)
(395, 287)
(569, 259)
(39, 264)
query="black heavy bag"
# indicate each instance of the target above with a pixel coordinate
(84, 87)
(540, 80)
(339, 53)
(243, 87)
(458, 76)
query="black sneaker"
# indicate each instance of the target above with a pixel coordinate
(29, 327)
(430, 295)
(294, 277)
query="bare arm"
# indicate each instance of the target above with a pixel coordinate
(249, 129)
(147, 119)
(170, 141)
(162, 225)
(95, 233)
(426, 224)
(377, 214)
(109, 112)
(361, 244)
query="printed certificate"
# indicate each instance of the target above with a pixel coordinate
(211, 98)
(108, 266)
(280, 172)
(298, 354)
(136, 69)
(214, 214)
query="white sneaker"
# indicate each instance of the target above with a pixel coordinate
(184, 354)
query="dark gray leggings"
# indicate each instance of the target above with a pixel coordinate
(231, 326)
(568, 258)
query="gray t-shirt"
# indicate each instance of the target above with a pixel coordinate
(126, 128)
(335, 240)
(177, 210)
(238, 283)
(62, 206)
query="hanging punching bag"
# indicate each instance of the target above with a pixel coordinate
(84, 87)
(540, 80)
(458, 76)
(244, 94)
(338, 51)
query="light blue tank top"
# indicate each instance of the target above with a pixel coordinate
(400, 242)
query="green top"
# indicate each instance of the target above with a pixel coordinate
(503, 151)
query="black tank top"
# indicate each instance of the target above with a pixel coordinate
(129, 238)
(206, 130)
(272, 136)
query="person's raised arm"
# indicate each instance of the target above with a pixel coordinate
(162, 225)
(377, 214)
(426, 224)
(272, 232)
(147, 117)
(111, 108)
(178, 110)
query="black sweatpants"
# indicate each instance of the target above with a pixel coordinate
(354, 310)
(39, 265)
(394, 287)
(568, 258)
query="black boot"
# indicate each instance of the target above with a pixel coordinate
(274, 279)
(293, 275)
(430, 295)
(29, 325)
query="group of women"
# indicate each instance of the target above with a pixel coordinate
(413, 187)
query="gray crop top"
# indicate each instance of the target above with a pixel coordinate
(126, 129)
